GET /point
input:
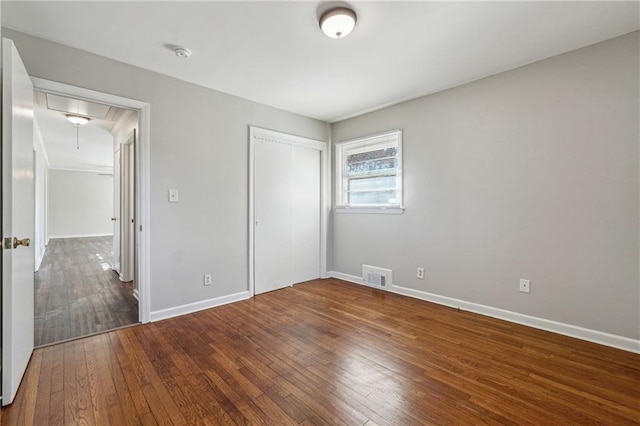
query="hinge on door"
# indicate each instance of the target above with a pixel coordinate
(7, 243)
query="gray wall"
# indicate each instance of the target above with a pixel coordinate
(532, 173)
(80, 204)
(199, 145)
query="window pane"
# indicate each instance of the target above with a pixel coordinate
(371, 198)
(369, 171)
(372, 155)
(380, 160)
(372, 183)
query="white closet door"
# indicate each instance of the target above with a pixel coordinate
(273, 203)
(287, 214)
(306, 214)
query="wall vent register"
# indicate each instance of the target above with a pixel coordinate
(377, 277)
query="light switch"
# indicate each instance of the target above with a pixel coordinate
(173, 195)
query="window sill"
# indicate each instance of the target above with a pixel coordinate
(370, 210)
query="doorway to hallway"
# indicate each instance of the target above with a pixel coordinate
(86, 257)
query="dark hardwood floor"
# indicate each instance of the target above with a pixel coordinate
(329, 352)
(77, 293)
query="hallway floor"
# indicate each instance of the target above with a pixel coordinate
(77, 293)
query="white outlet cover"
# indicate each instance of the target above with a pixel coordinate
(173, 195)
(525, 285)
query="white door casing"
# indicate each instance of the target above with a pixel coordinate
(115, 263)
(287, 211)
(127, 208)
(18, 220)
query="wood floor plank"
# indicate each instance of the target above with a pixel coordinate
(327, 352)
(124, 398)
(160, 401)
(71, 409)
(44, 386)
(85, 406)
(135, 393)
(77, 293)
(29, 392)
(115, 412)
(170, 376)
(98, 401)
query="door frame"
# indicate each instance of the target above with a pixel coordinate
(115, 218)
(127, 234)
(325, 201)
(142, 178)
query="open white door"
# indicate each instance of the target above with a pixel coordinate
(17, 220)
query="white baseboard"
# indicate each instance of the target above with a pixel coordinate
(615, 341)
(53, 237)
(346, 277)
(198, 306)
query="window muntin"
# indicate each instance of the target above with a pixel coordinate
(370, 172)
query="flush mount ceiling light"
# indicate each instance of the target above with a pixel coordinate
(77, 120)
(182, 52)
(338, 22)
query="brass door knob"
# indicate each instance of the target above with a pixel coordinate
(23, 242)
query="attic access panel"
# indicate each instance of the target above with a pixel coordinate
(76, 106)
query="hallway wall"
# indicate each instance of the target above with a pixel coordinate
(80, 204)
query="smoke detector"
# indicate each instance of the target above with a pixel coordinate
(182, 52)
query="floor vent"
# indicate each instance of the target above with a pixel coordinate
(377, 277)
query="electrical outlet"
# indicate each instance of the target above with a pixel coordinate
(207, 279)
(525, 286)
(420, 273)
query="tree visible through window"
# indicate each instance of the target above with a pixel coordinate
(370, 172)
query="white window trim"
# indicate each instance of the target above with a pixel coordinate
(379, 138)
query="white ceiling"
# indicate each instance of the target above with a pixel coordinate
(61, 139)
(274, 52)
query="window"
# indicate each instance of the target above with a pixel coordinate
(369, 174)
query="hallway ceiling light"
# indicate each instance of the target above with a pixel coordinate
(338, 22)
(77, 120)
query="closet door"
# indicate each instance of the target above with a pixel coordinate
(306, 214)
(273, 216)
(286, 214)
